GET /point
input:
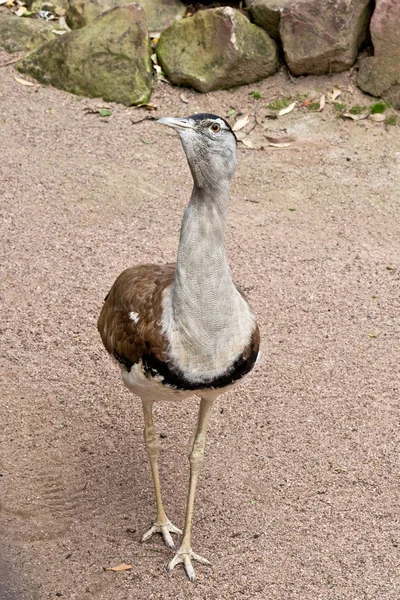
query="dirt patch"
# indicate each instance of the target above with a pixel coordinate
(299, 497)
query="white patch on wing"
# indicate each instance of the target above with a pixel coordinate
(134, 316)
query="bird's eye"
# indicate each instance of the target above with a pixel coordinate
(215, 127)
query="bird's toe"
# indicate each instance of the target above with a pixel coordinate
(165, 529)
(186, 556)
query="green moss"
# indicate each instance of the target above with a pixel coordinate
(256, 95)
(392, 120)
(339, 106)
(313, 106)
(378, 108)
(279, 103)
(301, 97)
(357, 109)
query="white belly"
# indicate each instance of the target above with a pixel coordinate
(152, 389)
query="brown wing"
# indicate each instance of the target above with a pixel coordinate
(137, 290)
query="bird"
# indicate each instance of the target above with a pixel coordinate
(185, 329)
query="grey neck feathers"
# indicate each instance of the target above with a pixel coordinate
(211, 322)
(203, 279)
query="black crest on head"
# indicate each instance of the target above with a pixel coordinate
(203, 116)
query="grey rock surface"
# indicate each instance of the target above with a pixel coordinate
(110, 58)
(379, 75)
(318, 36)
(18, 34)
(216, 49)
(159, 13)
(267, 14)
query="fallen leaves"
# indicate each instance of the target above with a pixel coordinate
(148, 106)
(248, 143)
(20, 11)
(102, 111)
(334, 94)
(287, 109)
(240, 123)
(24, 82)
(321, 103)
(356, 117)
(121, 567)
(377, 117)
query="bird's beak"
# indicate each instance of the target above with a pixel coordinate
(177, 124)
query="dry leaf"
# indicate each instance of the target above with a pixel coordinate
(148, 106)
(3, 2)
(240, 123)
(60, 12)
(184, 98)
(377, 117)
(154, 34)
(58, 31)
(282, 139)
(154, 58)
(359, 117)
(279, 145)
(121, 567)
(20, 11)
(24, 82)
(288, 109)
(335, 93)
(321, 103)
(247, 142)
(240, 135)
(62, 23)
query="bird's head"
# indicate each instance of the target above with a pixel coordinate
(210, 147)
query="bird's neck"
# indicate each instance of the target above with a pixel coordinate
(207, 321)
(202, 272)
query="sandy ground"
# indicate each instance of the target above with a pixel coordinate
(299, 497)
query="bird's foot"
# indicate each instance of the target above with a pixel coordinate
(165, 528)
(185, 556)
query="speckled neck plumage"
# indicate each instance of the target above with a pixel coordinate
(210, 322)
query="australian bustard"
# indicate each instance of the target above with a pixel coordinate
(183, 330)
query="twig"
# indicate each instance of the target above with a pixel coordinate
(10, 62)
(146, 118)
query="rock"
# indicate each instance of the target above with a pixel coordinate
(379, 75)
(159, 13)
(110, 58)
(267, 14)
(19, 34)
(51, 5)
(215, 49)
(318, 36)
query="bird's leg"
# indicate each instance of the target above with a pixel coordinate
(185, 553)
(162, 524)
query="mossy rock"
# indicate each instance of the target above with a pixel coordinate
(159, 13)
(110, 58)
(379, 75)
(216, 49)
(267, 14)
(24, 35)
